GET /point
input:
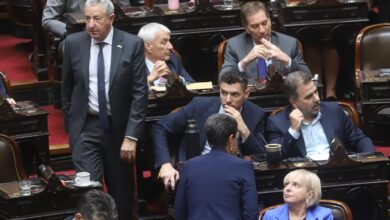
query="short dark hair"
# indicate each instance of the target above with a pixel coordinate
(250, 8)
(233, 76)
(97, 204)
(218, 128)
(293, 80)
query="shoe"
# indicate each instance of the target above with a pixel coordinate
(331, 99)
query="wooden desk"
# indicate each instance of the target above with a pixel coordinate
(28, 126)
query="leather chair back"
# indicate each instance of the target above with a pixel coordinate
(11, 168)
(340, 210)
(372, 47)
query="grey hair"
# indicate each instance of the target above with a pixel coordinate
(294, 80)
(148, 31)
(107, 4)
(310, 181)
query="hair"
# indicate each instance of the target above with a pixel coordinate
(251, 8)
(218, 128)
(108, 6)
(148, 31)
(233, 76)
(97, 204)
(293, 80)
(310, 181)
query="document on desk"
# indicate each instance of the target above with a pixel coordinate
(191, 86)
(11, 189)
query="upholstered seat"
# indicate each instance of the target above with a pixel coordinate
(340, 210)
(11, 168)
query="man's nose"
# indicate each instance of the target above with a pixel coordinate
(170, 47)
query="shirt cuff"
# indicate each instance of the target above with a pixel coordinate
(289, 62)
(131, 138)
(240, 67)
(294, 133)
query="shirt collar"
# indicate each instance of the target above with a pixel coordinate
(107, 40)
(149, 64)
(314, 121)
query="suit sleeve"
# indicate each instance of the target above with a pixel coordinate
(249, 193)
(181, 70)
(230, 59)
(171, 124)
(297, 62)
(254, 144)
(139, 92)
(276, 134)
(51, 14)
(181, 197)
(67, 83)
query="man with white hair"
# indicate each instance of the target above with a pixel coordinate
(159, 59)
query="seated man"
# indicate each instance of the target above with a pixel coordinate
(55, 9)
(95, 205)
(4, 95)
(218, 185)
(258, 47)
(159, 58)
(306, 127)
(232, 101)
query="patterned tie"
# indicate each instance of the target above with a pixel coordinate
(261, 69)
(103, 116)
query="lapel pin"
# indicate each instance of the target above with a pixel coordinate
(119, 46)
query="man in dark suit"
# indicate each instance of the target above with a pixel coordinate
(159, 59)
(306, 127)
(259, 46)
(232, 101)
(217, 185)
(104, 94)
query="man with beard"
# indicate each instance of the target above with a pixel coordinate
(258, 47)
(306, 127)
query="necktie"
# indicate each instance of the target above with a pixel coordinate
(103, 116)
(261, 68)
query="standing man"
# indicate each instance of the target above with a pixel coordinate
(258, 47)
(232, 100)
(306, 127)
(218, 185)
(104, 94)
(159, 58)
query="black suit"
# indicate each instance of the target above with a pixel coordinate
(93, 149)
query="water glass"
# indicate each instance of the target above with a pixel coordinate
(25, 187)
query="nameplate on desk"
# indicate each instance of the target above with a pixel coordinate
(192, 86)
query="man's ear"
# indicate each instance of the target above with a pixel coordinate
(148, 46)
(246, 93)
(293, 102)
(232, 142)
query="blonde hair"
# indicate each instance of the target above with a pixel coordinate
(310, 181)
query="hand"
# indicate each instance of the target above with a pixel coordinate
(160, 69)
(296, 119)
(274, 52)
(242, 128)
(12, 102)
(128, 150)
(169, 176)
(258, 51)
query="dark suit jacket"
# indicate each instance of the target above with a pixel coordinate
(175, 65)
(200, 108)
(3, 90)
(216, 186)
(127, 85)
(334, 122)
(239, 46)
(313, 213)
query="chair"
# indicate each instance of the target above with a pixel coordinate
(349, 110)
(221, 53)
(11, 168)
(371, 49)
(340, 210)
(6, 83)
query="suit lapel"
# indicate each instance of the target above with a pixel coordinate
(252, 67)
(86, 48)
(326, 124)
(116, 53)
(214, 108)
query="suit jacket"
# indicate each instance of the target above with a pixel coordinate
(334, 122)
(200, 108)
(3, 90)
(216, 186)
(55, 9)
(127, 84)
(175, 65)
(313, 213)
(239, 46)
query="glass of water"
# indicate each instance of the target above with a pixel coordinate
(25, 187)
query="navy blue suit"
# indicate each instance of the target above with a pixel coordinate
(200, 108)
(313, 213)
(216, 186)
(334, 122)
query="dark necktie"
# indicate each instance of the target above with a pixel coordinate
(261, 68)
(103, 116)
